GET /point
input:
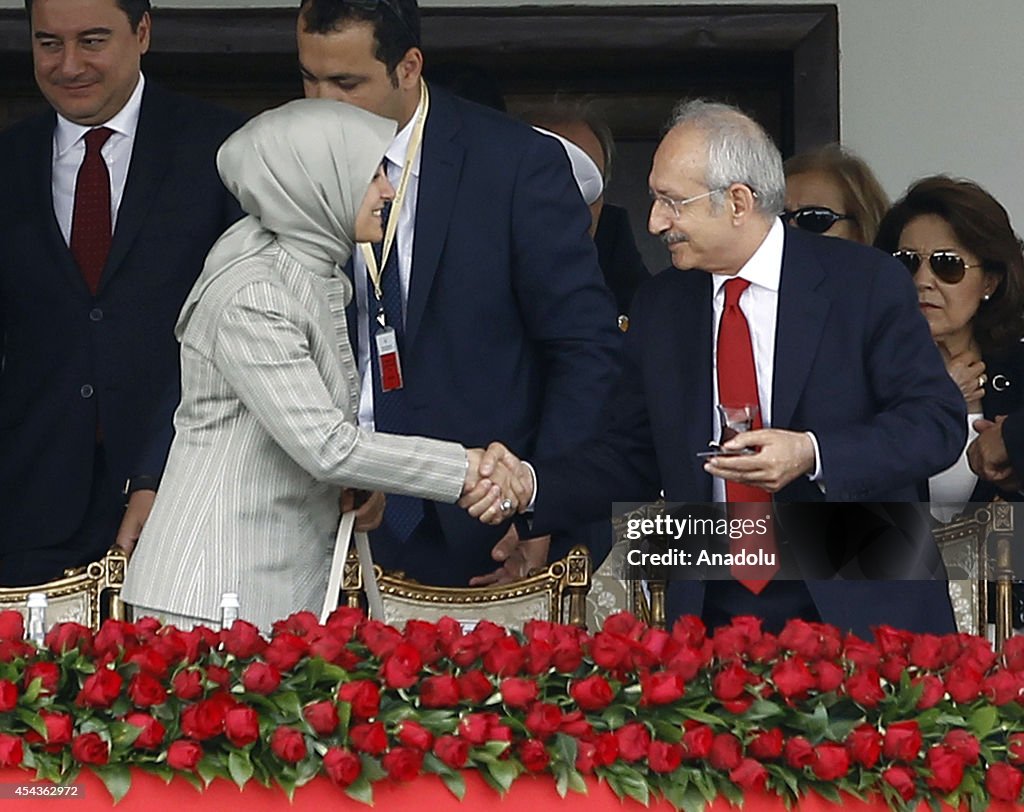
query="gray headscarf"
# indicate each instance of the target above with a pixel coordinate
(300, 172)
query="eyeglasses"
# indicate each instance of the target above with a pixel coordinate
(676, 205)
(948, 266)
(816, 219)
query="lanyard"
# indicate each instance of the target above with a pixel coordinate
(415, 140)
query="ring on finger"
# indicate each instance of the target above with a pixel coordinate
(982, 380)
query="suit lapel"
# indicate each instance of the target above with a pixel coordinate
(801, 319)
(698, 383)
(149, 162)
(440, 168)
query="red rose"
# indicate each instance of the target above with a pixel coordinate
(585, 752)
(241, 725)
(89, 748)
(892, 641)
(963, 682)
(476, 727)
(829, 675)
(661, 688)
(475, 687)
(926, 652)
(322, 717)
(749, 775)
(300, 624)
(575, 724)
(261, 678)
(634, 741)
(342, 766)
(330, 649)
(663, 757)
(8, 695)
(221, 676)
(150, 661)
(184, 754)
(864, 687)
(733, 641)
(932, 692)
(798, 752)
(543, 720)
(1013, 653)
(864, 745)
(625, 624)
(285, 651)
(538, 657)
(100, 689)
(204, 720)
(831, 761)
(726, 752)
(902, 741)
(793, 678)
(802, 638)
(517, 692)
(12, 625)
(766, 745)
(606, 749)
(566, 656)
(426, 638)
(11, 749)
(414, 735)
(47, 673)
(964, 744)
(687, 662)
(1004, 782)
(946, 766)
(892, 668)
(1002, 687)
(731, 682)
(439, 692)
(152, 731)
(861, 653)
(653, 644)
(66, 636)
(765, 650)
(288, 745)
(1015, 748)
(364, 697)
(402, 667)
(592, 694)
(146, 691)
(402, 763)
(689, 630)
(187, 684)
(609, 651)
(505, 658)
(902, 780)
(369, 737)
(242, 640)
(380, 638)
(534, 756)
(697, 742)
(453, 751)
(344, 621)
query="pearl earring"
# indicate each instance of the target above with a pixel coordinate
(986, 297)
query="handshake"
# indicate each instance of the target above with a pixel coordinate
(497, 485)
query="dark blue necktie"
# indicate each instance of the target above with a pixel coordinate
(403, 513)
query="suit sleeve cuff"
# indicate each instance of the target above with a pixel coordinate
(817, 475)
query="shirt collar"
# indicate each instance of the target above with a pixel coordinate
(764, 268)
(400, 144)
(125, 122)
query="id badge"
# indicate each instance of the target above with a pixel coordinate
(388, 359)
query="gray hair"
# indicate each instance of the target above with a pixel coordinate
(739, 151)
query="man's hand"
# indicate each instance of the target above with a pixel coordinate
(369, 507)
(140, 503)
(519, 558)
(495, 476)
(988, 457)
(781, 456)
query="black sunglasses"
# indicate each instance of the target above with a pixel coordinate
(816, 219)
(948, 266)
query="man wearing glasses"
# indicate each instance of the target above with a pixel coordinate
(820, 341)
(483, 315)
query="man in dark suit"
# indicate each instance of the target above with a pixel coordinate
(112, 201)
(504, 327)
(855, 402)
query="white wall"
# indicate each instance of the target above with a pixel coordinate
(926, 85)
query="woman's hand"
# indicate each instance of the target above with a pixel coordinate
(968, 372)
(369, 508)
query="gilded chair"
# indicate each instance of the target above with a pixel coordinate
(556, 593)
(613, 592)
(85, 595)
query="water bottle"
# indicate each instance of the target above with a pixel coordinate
(37, 604)
(229, 607)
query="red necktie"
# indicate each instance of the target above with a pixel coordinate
(737, 385)
(90, 223)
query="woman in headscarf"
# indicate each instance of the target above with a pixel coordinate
(266, 430)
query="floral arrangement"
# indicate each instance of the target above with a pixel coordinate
(676, 713)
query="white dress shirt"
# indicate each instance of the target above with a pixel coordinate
(950, 490)
(403, 244)
(69, 152)
(760, 306)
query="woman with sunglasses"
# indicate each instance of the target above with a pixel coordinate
(831, 191)
(957, 242)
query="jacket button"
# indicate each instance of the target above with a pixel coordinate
(96, 314)
(86, 391)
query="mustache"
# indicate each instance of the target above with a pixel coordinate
(673, 237)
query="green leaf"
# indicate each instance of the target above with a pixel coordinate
(360, 790)
(636, 788)
(239, 767)
(456, 784)
(371, 768)
(576, 783)
(208, 769)
(117, 778)
(32, 692)
(123, 734)
(289, 705)
(666, 731)
(614, 716)
(566, 749)
(503, 773)
(984, 720)
(561, 778)
(33, 720)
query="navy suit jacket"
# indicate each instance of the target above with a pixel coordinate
(854, 363)
(510, 330)
(73, 361)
